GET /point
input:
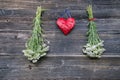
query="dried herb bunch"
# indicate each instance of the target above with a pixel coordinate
(36, 46)
(94, 47)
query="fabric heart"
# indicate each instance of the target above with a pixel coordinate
(66, 25)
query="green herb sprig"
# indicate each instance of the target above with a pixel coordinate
(94, 47)
(36, 46)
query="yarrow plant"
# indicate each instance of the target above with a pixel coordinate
(94, 47)
(36, 46)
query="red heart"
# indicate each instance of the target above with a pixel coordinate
(66, 25)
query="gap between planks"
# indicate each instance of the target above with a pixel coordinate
(103, 56)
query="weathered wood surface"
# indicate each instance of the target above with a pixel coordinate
(65, 60)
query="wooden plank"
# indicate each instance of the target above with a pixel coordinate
(60, 48)
(17, 67)
(57, 35)
(77, 14)
(55, 4)
(14, 24)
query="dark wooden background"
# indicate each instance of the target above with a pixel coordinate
(65, 61)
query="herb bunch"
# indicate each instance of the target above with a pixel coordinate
(36, 46)
(94, 47)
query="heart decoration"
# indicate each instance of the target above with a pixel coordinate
(66, 24)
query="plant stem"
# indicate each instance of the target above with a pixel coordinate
(35, 45)
(94, 47)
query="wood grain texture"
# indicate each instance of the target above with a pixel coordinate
(65, 60)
